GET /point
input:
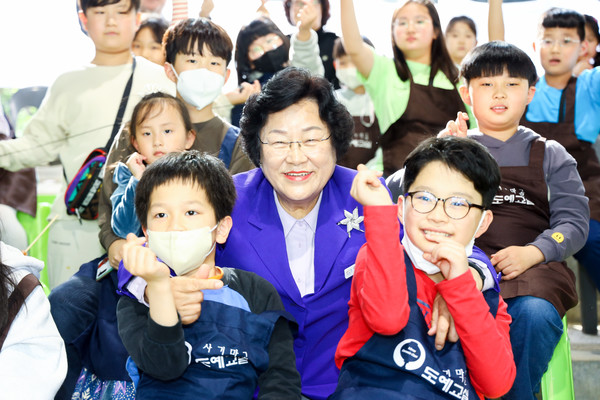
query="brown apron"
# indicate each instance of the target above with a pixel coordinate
(521, 213)
(365, 142)
(563, 132)
(428, 111)
(18, 189)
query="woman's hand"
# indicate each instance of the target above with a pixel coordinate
(187, 292)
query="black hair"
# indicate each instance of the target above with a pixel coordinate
(287, 6)
(288, 87)
(493, 58)
(190, 35)
(154, 103)
(463, 155)
(592, 23)
(465, 20)
(158, 27)
(261, 26)
(85, 4)
(190, 166)
(7, 287)
(563, 18)
(338, 47)
(440, 58)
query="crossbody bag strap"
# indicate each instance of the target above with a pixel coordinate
(25, 287)
(122, 106)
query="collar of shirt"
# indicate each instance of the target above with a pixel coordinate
(288, 221)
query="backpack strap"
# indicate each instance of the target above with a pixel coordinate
(25, 287)
(228, 144)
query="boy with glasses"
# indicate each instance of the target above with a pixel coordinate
(449, 184)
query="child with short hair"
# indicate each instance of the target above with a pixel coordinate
(540, 213)
(566, 108)
(160, 124)
(242, 339)
(353, 95)
(449, 184)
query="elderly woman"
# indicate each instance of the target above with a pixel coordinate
(295, 223)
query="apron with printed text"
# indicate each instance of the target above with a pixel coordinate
(228, 349)
(407, 365)
(563, 132)
(521, 212)
(428, 111)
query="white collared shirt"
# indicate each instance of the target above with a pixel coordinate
(300, 245)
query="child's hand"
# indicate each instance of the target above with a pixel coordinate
(306, 17)
(449, 256)
(514, 260)
(262, 9)
(368, 190)
(240, 95)
(187, 293)
(142, 262)
(442, 323)
(456, 128)
(206, 9)
(135, 163)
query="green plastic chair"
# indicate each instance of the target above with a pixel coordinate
(557, 382)
(33, 227)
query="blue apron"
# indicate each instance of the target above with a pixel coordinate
(407, 365)
(228, 349)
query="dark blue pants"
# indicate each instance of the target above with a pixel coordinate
(535, 331)
(589, 255)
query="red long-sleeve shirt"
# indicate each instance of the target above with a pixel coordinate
(379, 303)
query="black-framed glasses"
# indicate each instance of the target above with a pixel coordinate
(455, 207)
(283, 146)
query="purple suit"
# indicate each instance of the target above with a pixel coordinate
(256, 243)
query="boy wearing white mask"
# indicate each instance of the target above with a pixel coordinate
(353, 95)
(449, 184)
(242, 339)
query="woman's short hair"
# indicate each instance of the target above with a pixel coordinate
(286, 88)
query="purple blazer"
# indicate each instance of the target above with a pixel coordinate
(256, 243)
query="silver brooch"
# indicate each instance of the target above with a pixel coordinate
(352, 221)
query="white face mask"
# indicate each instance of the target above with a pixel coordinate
(182, 250)
(348, 78)
(416, 255)
(199, 87)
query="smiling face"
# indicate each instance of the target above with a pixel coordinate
(413, 32)
(161, 133)
(298, 174)
(498, 102)
(443, 182)
(559, 56)
(112, 28)
(145, 45)
(459, 41)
